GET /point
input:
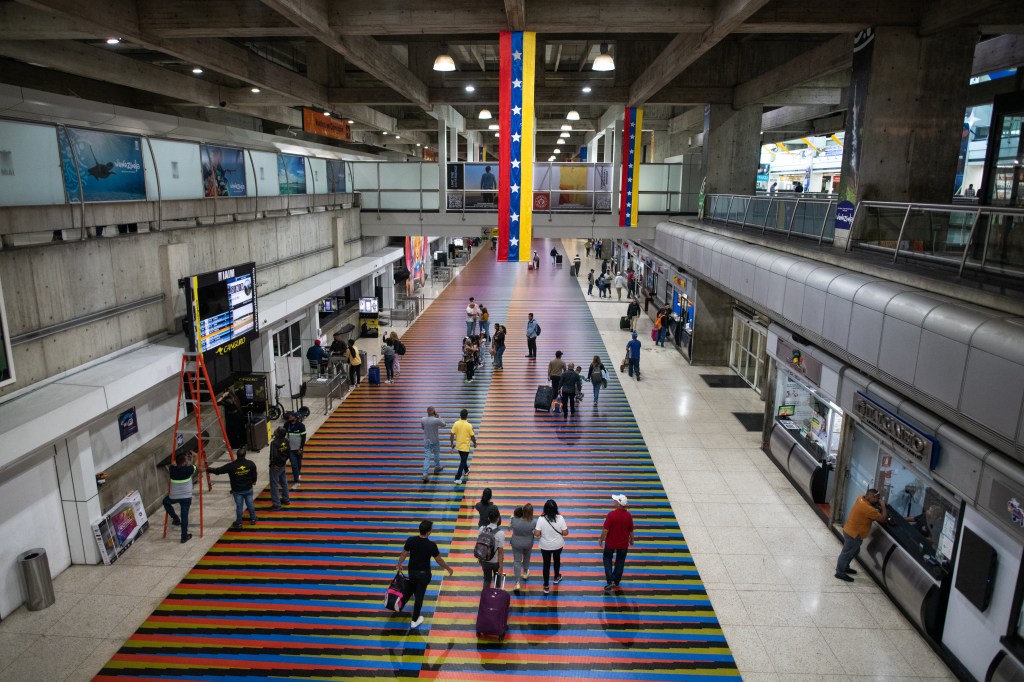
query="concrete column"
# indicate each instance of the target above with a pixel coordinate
(442, 159)
(309, 328)
(907, 100)
(76, 478)
(388, 284)
(712, 326)
(609, 145)
(732, 148)
(453, 148)
(174, 264)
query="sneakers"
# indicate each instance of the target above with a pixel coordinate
(518, 587)
(547, 590)
(526, 576)
(438, 470)
(286, 502)
(295, 486)
(186, 538)
(608, 588)
(237, 525)
(457, 481)
(426, 478)
(175, 522)
(416, 623)
(252, 521)
(843, 576)
(558, 579)
(276, 507)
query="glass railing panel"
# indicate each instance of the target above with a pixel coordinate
(400, 176)
(399, 201)
(364, 176)
(654, 177)
(653, 203)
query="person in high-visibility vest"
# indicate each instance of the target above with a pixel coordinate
(182, 472)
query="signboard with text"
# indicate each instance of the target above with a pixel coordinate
(325, 126)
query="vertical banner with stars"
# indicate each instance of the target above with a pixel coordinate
(632, 128)
(515, 145)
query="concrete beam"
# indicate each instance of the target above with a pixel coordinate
(687, 121)
(835, 55)
(452, 118)
(18, 22)
(999, 53)
(787, 116)
(214, 19)
(515, 10)
(943, 14)
(804, 96)
(686, 48)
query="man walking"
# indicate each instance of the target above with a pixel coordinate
(590, 283)
(462, 438)
(421, 549)
(278, 470)
(617, 538)
(633, 313)
(532, 332)
(597, 248)
(858, 526)
(431, 442)
(555, 369)
(181, 472)
(242, 474)
(472, 314)
(569, 382)
(576, 266)
(633, 356)
(630, 283)
(296, 431)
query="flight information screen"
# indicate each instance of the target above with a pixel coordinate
(223, 308)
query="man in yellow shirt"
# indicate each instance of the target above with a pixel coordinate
(462, 437)
(858, 526)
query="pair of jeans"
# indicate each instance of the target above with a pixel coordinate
(851, 547)
(661, 336)
(569, 407)
(278, 485)
(613, 574)
(548, 555)
(243, 498)
(295, 457)
(418, 581)
(498, 352)
(469, 327)
(185, 503)
(463, 465)
(485, 329)
(389, 367)
(634, 366)
(521, 560)
(597, 382)
(531, 345)
(428, 450)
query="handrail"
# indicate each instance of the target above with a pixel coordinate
(791, 208)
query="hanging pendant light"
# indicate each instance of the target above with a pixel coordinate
(573, 115)
(484, 114)
(604, 61)
(444, 61)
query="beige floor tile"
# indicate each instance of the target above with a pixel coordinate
(836, 610)
(753, 570)
(729, 608)
(885, 613)
(94, 662)
(770, 515)
(770, 607)
(747, 649)
(706, 482)
(798, 650)
(867, 652)
(717, 514)
(13, 644)
(38, 622)
(789, 541)
(50, 658)
(699, 541)
(739, 540)
(919, 656)
(96, 614)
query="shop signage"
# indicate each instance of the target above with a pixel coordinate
(1002, 499)
(798, 361)
(679, 281)
(919, 446)
(844, 215)
(127, 423)
(325, 126)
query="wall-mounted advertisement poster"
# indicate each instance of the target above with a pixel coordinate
(479, 185)
(128, 423)
(336, 176)
(109, 165)
(223, 171)
(291, 174)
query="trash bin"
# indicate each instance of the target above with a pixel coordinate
(38, 583)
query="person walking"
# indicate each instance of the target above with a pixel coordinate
(388, 350)
(532, 332)
(421, 549)
(554, 255)
(619, 283)
(555, 368)
(523, 527)
(633, 356)
(633, 314)
(498, 346)
(536, 261)
(576, 266)
(469, 358)
(399, 352)
(588, 245)
(490, 546)
(296, 431)
(472, 315)
(484, 506)
(858, 526)
(462, 437)
(590, 282)
(355, 363)
(597, 248)
(630, 283)
(616, 538)
(279, 470)
(485, 324)
(181, 473)
(568, 383)
(552, 531)
(597, 375)
(242, 474)
(431, 425)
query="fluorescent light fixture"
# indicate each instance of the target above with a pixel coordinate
(327, 114)
(566, 126)
(444, 61)
(196, 70)
(493, 126)
(604, 61)
(398, 137)
(113, 41)
(586, 89)
(573, 115)
(254, 91)
(563, 135)
(470, 88)
(497, 134)
(484, 114)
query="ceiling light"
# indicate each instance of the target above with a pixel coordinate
(418, 144)
(573, 115)
(493, 126)
(484, 114)
(497, 134)
(557, 151)
(470, 88)
(566, 126)
(398, 137)
(604, 61)
(558, 142)
(383, 132)
(327, 114)
(113, 41)
(586, 88)
(551, 158)
(254, 91)
(350, 121)
(196, 70)
(563, 135)
(444, 61)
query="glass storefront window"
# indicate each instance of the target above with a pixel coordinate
(812, 419)
(747, 351)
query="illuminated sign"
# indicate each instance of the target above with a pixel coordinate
(919, 446)
(326, 126)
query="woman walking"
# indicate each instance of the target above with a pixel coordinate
(469, 353)
(355, 363)
(523, 528)
(399, 352)
(484, 505)
(389, 360)
(498, 345)
(596, 375)
(485, 324)
(552, 530)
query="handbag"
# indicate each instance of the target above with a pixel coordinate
(462, 366)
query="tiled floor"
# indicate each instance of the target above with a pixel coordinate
(764, 555)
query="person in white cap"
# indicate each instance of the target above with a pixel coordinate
(616, 538)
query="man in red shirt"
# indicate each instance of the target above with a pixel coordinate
(617, 538)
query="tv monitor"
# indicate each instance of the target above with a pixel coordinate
(328, 305)
(457, 242)
(368, 306)
(976, 570)
(222, 308)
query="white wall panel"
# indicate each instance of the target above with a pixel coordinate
(179, 169)
(30, 172)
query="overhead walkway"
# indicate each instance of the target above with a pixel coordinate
(299, 595)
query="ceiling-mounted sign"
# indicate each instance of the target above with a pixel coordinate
(326, 126)
(919, 446)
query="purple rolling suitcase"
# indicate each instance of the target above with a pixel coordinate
(492, 617)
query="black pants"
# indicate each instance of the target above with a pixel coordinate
(613, 571)
(353, 375)
(568, 404)
(490, 570)
(463, 464)
(556, 382)
(531, 344)
(419, 581)
(470, 369)
(547, 555)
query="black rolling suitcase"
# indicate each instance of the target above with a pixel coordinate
(623, 322)
(542, 401)
(558, 259)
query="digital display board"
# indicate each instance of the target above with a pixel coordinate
(368, 305)
(222, 308)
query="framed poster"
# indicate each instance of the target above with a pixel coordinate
(223, 171)
(127, 423)
(291, 174)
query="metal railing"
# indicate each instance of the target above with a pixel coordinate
(791, 214)
(979, 238)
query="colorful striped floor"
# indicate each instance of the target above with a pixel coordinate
(299, 596)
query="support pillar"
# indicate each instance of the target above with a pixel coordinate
(442, 160)
(712, 326)
(76, 479)
(732, 148)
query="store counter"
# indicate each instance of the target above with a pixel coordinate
(804, 461)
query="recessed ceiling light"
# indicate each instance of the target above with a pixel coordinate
(566, 126)
(418, 144)
(558, 142)
(398, 137)
(497, 134)
(113, 41)
(493, 126)
(196, 70)
(470, 88)
(383, 132)
(586, 88)
(254, 91)
(557, 151)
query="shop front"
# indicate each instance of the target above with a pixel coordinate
(748, 349)
(679, 292)
(803, 420)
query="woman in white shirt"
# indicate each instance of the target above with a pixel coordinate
(552, 530)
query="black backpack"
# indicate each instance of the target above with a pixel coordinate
(486, 545)
(399, 347)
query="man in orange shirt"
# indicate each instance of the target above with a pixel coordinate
(857, 527)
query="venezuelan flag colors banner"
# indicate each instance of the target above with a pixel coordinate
(632, 128)
(515, 145)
